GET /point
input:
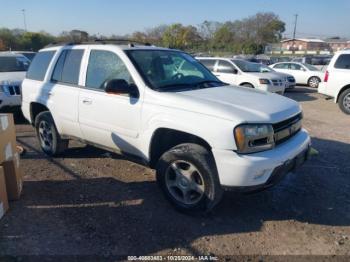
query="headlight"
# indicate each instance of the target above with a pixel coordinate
(254, 138)
(264, 81)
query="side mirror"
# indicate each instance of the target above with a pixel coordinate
(120, 86)
(235, 71)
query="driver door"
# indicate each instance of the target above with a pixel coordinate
(109, 120)
(226, 72)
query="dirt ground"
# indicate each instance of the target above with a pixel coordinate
(93, 203)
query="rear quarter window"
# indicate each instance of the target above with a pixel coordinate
(38, 67)
(343, 62)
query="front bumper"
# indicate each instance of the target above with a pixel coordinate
(272, 88)
(9, 100)
(278, 173)
(256, 169)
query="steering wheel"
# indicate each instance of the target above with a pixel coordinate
(177, 76)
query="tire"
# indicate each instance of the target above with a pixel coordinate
(49, 139)
(313, 82)
(248, 85)
(188, 177)
(344, 101)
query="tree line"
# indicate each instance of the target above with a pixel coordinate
(245, 36)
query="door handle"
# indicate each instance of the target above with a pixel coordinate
(87, 101)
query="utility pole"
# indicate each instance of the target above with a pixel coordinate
(295, 30)
(24, 19)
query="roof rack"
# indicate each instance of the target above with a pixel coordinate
(130, 42)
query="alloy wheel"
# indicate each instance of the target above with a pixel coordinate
(184, 182)
(45, 135)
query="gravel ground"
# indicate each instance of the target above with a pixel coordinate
(93, 203)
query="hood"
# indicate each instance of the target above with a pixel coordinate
(266, 75)
(12, 76)
(239, 104)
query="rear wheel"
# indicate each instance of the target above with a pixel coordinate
(344, 101)
(188, 177)
(314, 82)
(49, 139)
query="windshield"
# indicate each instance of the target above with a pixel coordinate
(165, 70)
(13, 63)
(265, 69)
(311, 67)
(248, 67)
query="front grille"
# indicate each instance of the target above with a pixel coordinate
(286, 129)
(14, 90)
(277, 82)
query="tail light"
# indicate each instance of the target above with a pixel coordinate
(326, 76)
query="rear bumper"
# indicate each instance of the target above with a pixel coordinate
(9, 100)
(324, 90)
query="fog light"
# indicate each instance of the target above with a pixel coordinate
(261, 174)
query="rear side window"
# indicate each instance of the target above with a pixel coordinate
(295, 66)
(67, 68)
(343, 62)
(208, 64)
(38, 67)
(281, 66)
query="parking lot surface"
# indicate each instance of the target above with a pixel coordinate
(91, 202)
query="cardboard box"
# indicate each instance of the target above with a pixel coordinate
(4, 205)
(13, 177)
(7, 137)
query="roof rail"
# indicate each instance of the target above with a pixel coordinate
(130, 42)
(53, 44)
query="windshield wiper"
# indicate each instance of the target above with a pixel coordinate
(202, 83)
(172, 86)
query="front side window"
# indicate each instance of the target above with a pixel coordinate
(343, 62)
(165, 70)
(67, 68)
(208, 63)
(248, 67)
(225, 67)
(39, 65)
(104, 66)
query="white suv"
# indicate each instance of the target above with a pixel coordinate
(200, 134)
(13, 69)
(239, 72)
(337, 80)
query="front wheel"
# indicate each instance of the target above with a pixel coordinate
(50, 140)
(344, 101)
(314, 82)
(188, 177)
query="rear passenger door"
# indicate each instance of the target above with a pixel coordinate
(299, 73)
(109, 120)
(63, 93)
